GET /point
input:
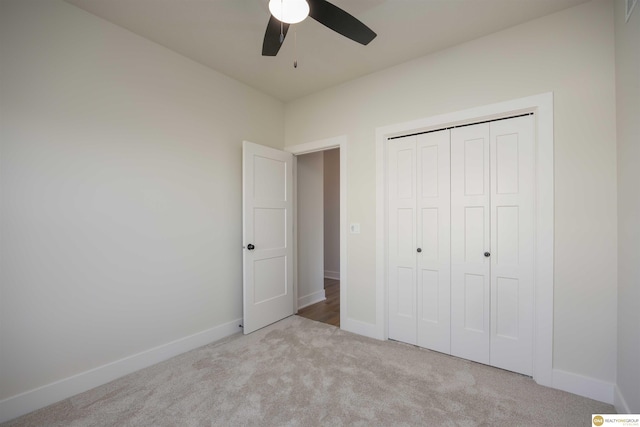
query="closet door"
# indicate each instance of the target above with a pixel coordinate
(512, 243)
(461, 242)
(433, 232)
(470, 243)
(402, 239)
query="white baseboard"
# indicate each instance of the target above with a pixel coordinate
(335, 275)
(359, 327)
(619, 402)
(313, 298)
(40, 397)
(583, 386)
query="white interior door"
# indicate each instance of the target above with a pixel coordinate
(419, 242)
(433, 231)
(470, 243)
(402, 239)
(512, 244)
(267, 229)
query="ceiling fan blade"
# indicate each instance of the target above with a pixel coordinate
(271, 43)
(340, 21)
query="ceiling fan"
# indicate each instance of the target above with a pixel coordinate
(287, 12)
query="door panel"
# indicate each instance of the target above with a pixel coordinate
(270, 228)
(269, 178)
(406, 232)
(429, 303)
(406, 293)
(506, 248)
(266, 224)
(474, 313)
(474, 235)
(430, 239)
(433, 263)
(402, 239)
(474, 167)
(470, 239)
(507, 297)
(428, 164)
(506, 162)
(270, 279)
(512, 237)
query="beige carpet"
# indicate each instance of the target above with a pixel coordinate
(298, 372)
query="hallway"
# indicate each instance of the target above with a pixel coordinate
(327, 311)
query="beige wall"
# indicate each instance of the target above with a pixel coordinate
(332, 212)
(120, 192)
(570, 53)
(628, 113)
(310, 228)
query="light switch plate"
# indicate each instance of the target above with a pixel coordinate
(354, 228)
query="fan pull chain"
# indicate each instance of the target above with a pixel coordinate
(295, 48)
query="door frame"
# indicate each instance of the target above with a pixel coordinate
(339, 142)
(542, 107)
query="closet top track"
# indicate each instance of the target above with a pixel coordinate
(459, 126)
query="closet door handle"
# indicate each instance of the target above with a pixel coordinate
(250, 247)
(419, 250)
(487, 254)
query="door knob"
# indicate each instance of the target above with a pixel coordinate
(419, 250)
(250, 247)
(487, 254)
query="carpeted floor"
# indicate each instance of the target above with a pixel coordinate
(298, 372)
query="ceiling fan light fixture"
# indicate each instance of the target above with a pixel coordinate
(289, 11)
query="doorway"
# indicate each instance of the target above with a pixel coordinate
(330, 305)
(318, 236)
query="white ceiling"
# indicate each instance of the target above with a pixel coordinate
(226, 35)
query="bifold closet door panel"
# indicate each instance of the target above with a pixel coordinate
(512, 186)
(433, 232)
(402, 239)
(470, 243)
